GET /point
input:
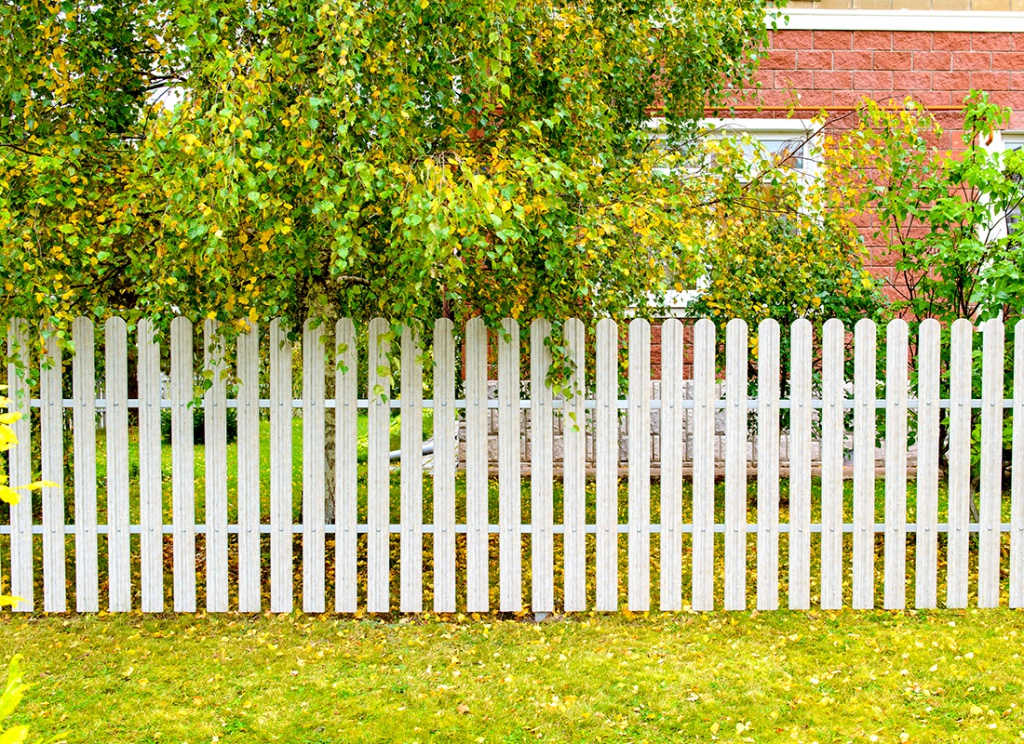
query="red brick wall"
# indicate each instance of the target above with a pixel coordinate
(836, 69)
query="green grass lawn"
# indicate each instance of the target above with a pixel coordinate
(951, 676)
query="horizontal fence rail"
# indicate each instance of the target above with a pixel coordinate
(840, 467)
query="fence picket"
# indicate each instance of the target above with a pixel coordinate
(216, 462)
(84, 458)
(51, 440)
(116, 415)
(150, 470)
(445, 451)
(704, 399)
(801, 357)
(1017, 473)
(183, 483)
(411, 507)
(896, 385)
(671, 477)
(864, 380)
(541, 470)
(639, 418)
(20, 466)
(314, 487)
(990, 495)
(281, 594)
(832, 466)
(736, 465)
(927, 536)
(510, 566)
(959, 463)
(248, 438)
(477, 579)
(768, 465)
(606, 431)
(346, 476)
(574, 499)
(378, 496)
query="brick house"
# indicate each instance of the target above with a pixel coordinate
(828, 54)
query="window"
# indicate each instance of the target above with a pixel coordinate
(774, 136)
(1013, 141)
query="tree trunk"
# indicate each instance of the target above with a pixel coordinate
(330, 435)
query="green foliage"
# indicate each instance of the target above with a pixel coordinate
(410, 159)
(13, 692)
(776, 241)
(199, 425)
(942, 213)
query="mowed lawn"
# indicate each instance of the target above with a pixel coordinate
(800, 677)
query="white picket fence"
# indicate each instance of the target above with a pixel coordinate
(685, 550)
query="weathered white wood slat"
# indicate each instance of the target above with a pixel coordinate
(477, 579)
(248, 418)
(510, 539)
(314, 487)
(150, 470)
(671, 477)
(346, 504)
(281, 595)
(896, 387)
(541, 470)
(183, 483)
(927, 536)
(959, 463)
(118, 533)
(20, 466)
(864, 378)
(832, 466)
(216, 463)
(1017, 473)
(801, 357)
(736, 465)
(574, 472)
(84, 419)
(703, 465)
(411, 516)
(51, 439)
(768, 465)
(378, 504)
(639, 418)
(991, 489)
(606, 434)
(445, 453)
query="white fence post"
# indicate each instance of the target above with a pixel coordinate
(118, 513)
(671, 542)
(639, 417)
(801, 356)
(927, 537)
(896, 385)
(510, 567)
(574, 503)
(314, 487)
(281, 599)
(736, 465)
(606, 429)
(864, 378)
(541, 470)
(768, 465)
(704, 399)
(84, 459)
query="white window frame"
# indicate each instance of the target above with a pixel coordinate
(757, 128)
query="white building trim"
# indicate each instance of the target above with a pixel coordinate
(976, 21)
